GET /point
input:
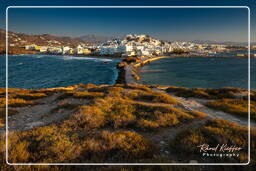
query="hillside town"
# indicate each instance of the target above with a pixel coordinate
(131, 45)
(139, 45)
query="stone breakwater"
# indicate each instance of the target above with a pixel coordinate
(128, 69)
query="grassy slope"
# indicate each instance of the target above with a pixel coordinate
(108, 129)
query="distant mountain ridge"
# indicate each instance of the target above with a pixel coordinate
(21, 39)
(46, 39)
(95, 38)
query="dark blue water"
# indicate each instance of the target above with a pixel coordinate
(44, 71)
(234, 52)
(200, 72)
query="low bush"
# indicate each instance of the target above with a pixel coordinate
(43, 144)
(213, 132)
(87, 117)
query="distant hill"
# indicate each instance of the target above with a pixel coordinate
(21, 39)
(95, 38)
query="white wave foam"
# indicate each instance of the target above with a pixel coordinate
(86, 58)
(99, 59)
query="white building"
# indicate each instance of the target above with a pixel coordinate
(65, 49)
(79, 49)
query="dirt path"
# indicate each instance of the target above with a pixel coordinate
(40, 115)
(163, 136)
(198, 104)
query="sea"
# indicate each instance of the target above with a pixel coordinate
(212, 72)
(47, 71)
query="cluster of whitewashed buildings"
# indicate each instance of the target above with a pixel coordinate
(135, 45)
(59, 49)
(131, 45)
(144, 45)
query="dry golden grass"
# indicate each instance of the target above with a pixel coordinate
(226, 92)
(52, 144)
(186, 92)
(119, 108)
(215, 131)
(44, 144)
(16, 102)
(80, 94)
(101, 130)
(151, 96)
(22, 97)
(30, 96)
(234, 106)
(87, 95)
(137, 87)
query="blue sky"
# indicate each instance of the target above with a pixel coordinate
(166, 24)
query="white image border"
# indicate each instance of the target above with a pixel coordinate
(249, 140)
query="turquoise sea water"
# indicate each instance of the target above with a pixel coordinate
(44, 71)
(200, 72)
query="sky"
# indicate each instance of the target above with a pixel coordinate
(221, 24)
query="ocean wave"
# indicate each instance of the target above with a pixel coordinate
(15, 55)
(40, 56)
(69, 57)
(30, 55)
(86, 58)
